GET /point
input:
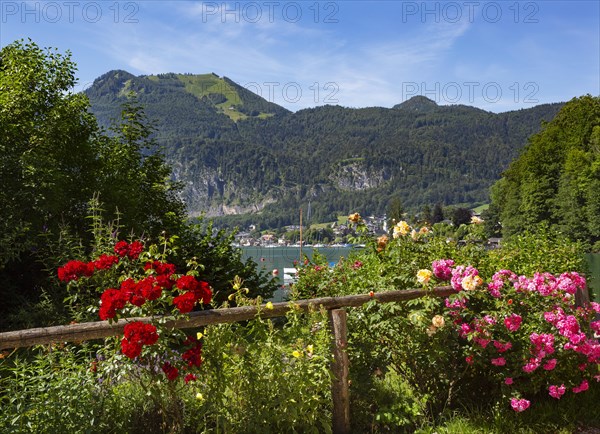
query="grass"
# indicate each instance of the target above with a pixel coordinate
(572, 414)
(481, 208)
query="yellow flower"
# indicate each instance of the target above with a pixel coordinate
(476, 220)
(431, 330)
(297, 354)
(309, 348)
(438, 321)
(382, 241)
(400, 229)
(269, 305)
(414, 235)
(424, 230)
(471, 282)
(354, 218)
(231, 296)
(424, 276)
(199, 335)
(199, 396)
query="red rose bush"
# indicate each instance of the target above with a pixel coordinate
(147, 286)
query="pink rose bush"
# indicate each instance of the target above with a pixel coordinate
(532, 337)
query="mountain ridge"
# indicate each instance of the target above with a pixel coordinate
(236, 152)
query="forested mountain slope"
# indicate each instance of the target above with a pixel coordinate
(237, 153)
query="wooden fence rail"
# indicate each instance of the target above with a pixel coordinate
(102, 329)
(337, 319)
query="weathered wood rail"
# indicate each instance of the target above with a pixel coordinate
(337, 319)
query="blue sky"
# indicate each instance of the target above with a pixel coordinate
(498, 56)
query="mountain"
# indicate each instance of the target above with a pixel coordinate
(236, 153)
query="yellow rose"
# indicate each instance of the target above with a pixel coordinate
(354, 218)
(438, 321)
(470, 283)
(424, 276)
(400, 229)
(382, 241)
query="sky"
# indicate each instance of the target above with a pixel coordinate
(495, 55)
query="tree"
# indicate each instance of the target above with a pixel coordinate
(47, 158)
(461, 216)
(554, 182)
(437, 215)
(395, 212)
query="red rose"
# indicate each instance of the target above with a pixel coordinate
(185, 302)
(73, 270)
(170, 371)
(104, 262)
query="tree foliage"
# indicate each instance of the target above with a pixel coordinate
(556, 179)
(54, 158)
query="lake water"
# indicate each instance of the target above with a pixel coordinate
(280, 258)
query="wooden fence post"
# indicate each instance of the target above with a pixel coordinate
(339, 389)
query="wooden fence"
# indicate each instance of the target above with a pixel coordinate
(334, 305)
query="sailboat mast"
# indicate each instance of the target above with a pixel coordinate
(300, 235)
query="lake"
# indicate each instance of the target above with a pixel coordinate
(279, 258)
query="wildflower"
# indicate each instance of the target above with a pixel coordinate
(424, 276)
(438, 321)
(371, 293)
(269, 305)
(297, 354)
(309, 348)
(199, 396)
(519, 405)
(508, 381)
(199, 335)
